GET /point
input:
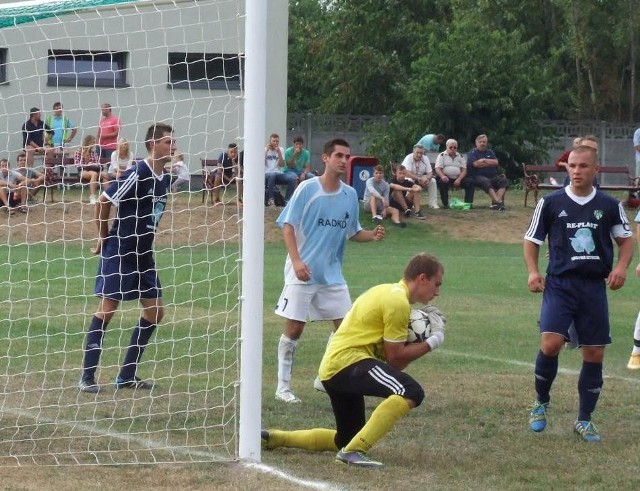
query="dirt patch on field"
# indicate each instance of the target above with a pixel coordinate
(188, 221)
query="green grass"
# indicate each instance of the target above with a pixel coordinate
(470, 433)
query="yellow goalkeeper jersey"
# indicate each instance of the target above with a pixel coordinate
(379, 314)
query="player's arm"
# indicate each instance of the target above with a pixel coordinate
(410, 174)
(399, 355)
(115, 129)
(618, 274)
(535, 281)
(369, 235)
(399, 187)
(103, 210)
(429, 175)
(280, 157)
(463, 173)
(289, 235)
(291, 161)
(74, 131)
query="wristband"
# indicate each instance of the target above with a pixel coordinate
(435, 340)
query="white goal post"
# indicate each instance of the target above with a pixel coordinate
(200, 67)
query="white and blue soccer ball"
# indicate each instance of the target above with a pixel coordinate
(419, 328)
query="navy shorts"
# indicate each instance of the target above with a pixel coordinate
(127, 277)
(582, 300)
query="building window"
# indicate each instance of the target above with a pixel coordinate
(206, 71)
(87, 68)
(3, 65)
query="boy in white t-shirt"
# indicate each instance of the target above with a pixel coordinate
(182, 170)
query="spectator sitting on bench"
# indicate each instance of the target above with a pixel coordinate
(34, 179)
(273, 170)
(13, 190)
(229, 171)
(121, 160)
(451, 173)
(482, 168)
(298, 160)
(89, 168)
(376, 198)
(405, 194)
(181, 169)
(419, 171)
(561, 162)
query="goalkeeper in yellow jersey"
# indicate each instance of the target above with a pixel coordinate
(366, 357)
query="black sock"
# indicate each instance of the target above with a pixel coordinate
(93, 348)
(545, 373)
(589, 386)
(139, 340)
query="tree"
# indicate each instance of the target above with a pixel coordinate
(468, 84)
(354, 56)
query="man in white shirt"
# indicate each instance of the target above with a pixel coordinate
(636, 147)
(418, 169)
(273, 174)
(451, 172)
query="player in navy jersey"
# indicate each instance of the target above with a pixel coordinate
(127, 269)
(580, 222)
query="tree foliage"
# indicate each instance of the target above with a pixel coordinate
(462, 67)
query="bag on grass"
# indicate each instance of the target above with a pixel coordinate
(458, 204)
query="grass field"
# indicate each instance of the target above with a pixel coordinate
(470, 433)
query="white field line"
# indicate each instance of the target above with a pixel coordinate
(444, 351)
(157, 445)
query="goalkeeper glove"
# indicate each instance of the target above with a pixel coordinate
(438, 322)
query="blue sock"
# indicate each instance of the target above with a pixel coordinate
(589, 386)
(545, 373)
(139, 340)
(93, 348)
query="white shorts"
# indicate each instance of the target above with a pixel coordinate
(313, 302)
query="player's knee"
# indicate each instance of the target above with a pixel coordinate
(159, 315)
(414, 395)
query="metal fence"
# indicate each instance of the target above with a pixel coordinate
(615, 139)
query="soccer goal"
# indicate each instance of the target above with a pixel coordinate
(177, 62)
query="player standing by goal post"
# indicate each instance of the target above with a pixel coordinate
(321, 215)
(127, 268)
(580, 222)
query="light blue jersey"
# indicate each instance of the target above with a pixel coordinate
(322, 222)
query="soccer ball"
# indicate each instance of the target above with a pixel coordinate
(419, 328)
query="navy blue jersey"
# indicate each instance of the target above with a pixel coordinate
(141, 197)
(580, 231)
(476, 154)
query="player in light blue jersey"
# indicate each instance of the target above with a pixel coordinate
(321, 215)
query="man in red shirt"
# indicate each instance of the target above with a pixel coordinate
(108, 130)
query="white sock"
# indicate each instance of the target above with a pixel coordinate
(286, 352)
(636, 336)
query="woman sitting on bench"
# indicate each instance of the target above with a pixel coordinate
(89, 168)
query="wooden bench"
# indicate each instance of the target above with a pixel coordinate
(62, 171)
(534, 176)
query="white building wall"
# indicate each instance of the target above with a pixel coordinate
(205, 120)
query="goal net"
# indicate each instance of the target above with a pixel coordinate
(178, 62)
